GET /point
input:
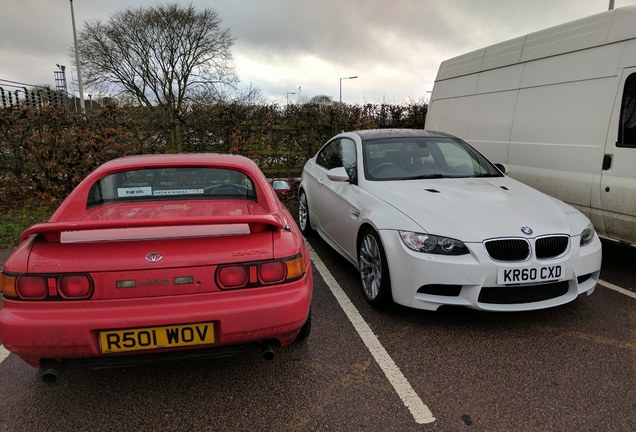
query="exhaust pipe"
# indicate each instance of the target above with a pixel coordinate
(267, 351)
(49, 376)
(50, 371)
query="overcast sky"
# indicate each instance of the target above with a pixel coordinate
(393, 46)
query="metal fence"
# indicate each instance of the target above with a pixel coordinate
(22, 97)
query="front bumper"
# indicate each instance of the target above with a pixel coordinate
(428, 281)
(68, 331)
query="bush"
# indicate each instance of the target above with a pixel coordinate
(46, 152)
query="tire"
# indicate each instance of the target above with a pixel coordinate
(304, 223)
(374, 270)
(305, 330)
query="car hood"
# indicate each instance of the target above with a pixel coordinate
(474, 209)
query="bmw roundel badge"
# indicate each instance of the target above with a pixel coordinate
(526, 230)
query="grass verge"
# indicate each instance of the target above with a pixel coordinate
(15, 219)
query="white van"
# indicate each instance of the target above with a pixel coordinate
(558, 107)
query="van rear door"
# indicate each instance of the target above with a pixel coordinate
(618, 177)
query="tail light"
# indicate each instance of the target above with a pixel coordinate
(47, 287)
(232, 276)
(263, 273)
(272, 272)
(7, 285)
(31, 287)
(75, 287)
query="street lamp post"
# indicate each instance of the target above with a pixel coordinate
(351, 77)
(79, 74)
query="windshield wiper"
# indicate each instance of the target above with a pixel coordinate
(487, 175)
(426, 176)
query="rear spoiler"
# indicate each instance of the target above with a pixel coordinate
(52, 231)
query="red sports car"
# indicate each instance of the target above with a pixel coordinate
(158, 258)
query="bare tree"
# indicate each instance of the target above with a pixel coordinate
(322, 100)
(245, 95)
(162, 56)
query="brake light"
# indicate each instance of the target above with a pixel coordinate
(31, 287)
(75, 287)
(255, 274)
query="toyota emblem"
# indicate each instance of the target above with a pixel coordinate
(153, 257)
(526, 230)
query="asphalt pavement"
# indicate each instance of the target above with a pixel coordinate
(569, 368)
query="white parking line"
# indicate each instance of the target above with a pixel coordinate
(411, 400)
(616, 288)
(3, 353)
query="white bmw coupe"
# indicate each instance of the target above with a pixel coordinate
(428, 221)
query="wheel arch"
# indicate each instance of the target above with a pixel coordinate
(386, 298)
(361, 230)
(302, 189)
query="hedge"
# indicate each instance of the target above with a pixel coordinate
(45, 152)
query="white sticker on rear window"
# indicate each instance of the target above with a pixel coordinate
(178, 192)
(134, 191)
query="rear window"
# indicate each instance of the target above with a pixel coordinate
(172, 184)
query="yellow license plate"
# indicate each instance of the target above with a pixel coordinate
(114, 341)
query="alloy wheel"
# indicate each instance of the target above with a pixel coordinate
(370, 266)
(302, 211)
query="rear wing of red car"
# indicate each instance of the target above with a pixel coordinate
(52, 231)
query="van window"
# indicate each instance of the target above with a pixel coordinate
(627, 130)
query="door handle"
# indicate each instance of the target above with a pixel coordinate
(607, 162)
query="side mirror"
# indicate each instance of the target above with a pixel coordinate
(338, 174)
(280, 186)
(503, 168)
(352, 172)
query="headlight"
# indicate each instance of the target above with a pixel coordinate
(433, 244)
(587, 234)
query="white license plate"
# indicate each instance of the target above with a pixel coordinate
(507, 276)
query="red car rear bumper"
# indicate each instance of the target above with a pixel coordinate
(70, 330)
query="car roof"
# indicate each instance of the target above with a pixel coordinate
(373, 134)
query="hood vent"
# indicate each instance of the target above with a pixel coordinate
(432, 190)
(504, 187)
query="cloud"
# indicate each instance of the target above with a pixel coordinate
(394, 46)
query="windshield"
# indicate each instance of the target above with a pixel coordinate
(171, 184)
(412, 158)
